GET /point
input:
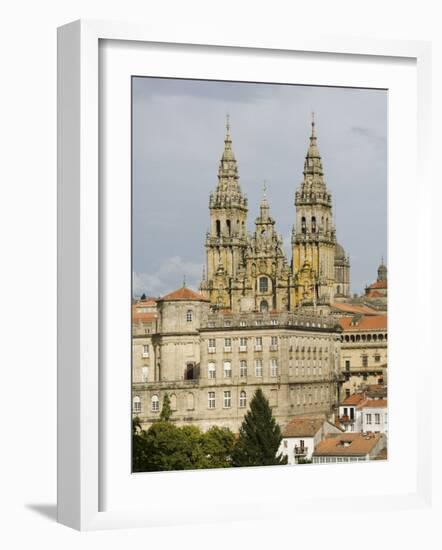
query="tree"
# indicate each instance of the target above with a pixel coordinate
(259, 436)
(218, 444)
(166, 410)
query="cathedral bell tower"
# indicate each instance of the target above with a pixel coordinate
(226, 241)
(313, 235)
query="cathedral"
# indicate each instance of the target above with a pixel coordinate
(259, 319)
(250, 272)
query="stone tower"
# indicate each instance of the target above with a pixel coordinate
(226, 240)
(267, 271)
(313, 235)
(342, 274)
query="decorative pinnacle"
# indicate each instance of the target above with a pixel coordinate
(264, 188)
(227, 125)
(184, 281)
(313, 124)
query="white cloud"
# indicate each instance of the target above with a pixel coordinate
(168, 277)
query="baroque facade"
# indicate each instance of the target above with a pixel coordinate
(258, 320)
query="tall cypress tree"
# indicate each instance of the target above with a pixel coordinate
(166, 411)
(259, 436)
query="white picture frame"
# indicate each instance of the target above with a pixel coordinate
(80, 442)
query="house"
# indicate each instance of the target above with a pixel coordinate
(302, 434)
(349, 447)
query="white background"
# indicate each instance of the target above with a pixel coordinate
(28, 277)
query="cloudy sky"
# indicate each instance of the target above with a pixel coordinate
(178, 133)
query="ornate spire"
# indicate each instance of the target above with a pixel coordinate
(228, 191)
(264, 206)
(313, 162)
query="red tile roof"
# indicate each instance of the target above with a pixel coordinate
(373, 404)
(354, 308)
(353, 399)
(378, 284)
(145, 317)
(346, 444)
(365, 322)
(303, 426)
(184, 294)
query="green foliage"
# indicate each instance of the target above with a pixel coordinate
(304, 460)
(166, 410)
(165, 446)
(259, 436)
(218, 444)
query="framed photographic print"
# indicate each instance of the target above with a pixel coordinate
(230, 227)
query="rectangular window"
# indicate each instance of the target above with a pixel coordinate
(211, 370)
(368, 418)
(258, 343)
(211, 399)
(377, 418)
(211, 345)
(263, 284)
(365, 360)
(242, 369)
(347, 364)
(146, 350)
(227, 344)
(258, 367)
(227, 399)
(144, 374)
(242, 323)
(189, 315)
(274, 343)
(377, 357)
(274, 322)
(227, 369)
(243, 344)
(273, 367)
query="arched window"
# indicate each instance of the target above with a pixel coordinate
(173, 402)
(263, 306)
(243, 399)
(155, 402)
(263, 284)
(338, 289)
(189, 315)
(218, 228)
(313, 224)
(227, 369)
(303, 226)
(229, 228)
(136, 404)
(190, 401)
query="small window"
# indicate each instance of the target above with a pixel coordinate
(146, 350)
(243, 399)
(377, 357)
(368, 418)
(155, 402)
(243, 369)
(211, 370)
(258, 368)
(347, 364)
(227, 344)
(227, 369)
(273, 367)
(136, 404)
(211, 399)
(144, 374)
(365, 360)
(227, 399)
(377, 418)
(274, 342)
(258, 343)
(242, 323)
(189, 315)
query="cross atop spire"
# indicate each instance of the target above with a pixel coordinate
(313, 124)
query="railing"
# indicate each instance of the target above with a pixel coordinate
(301, 450)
